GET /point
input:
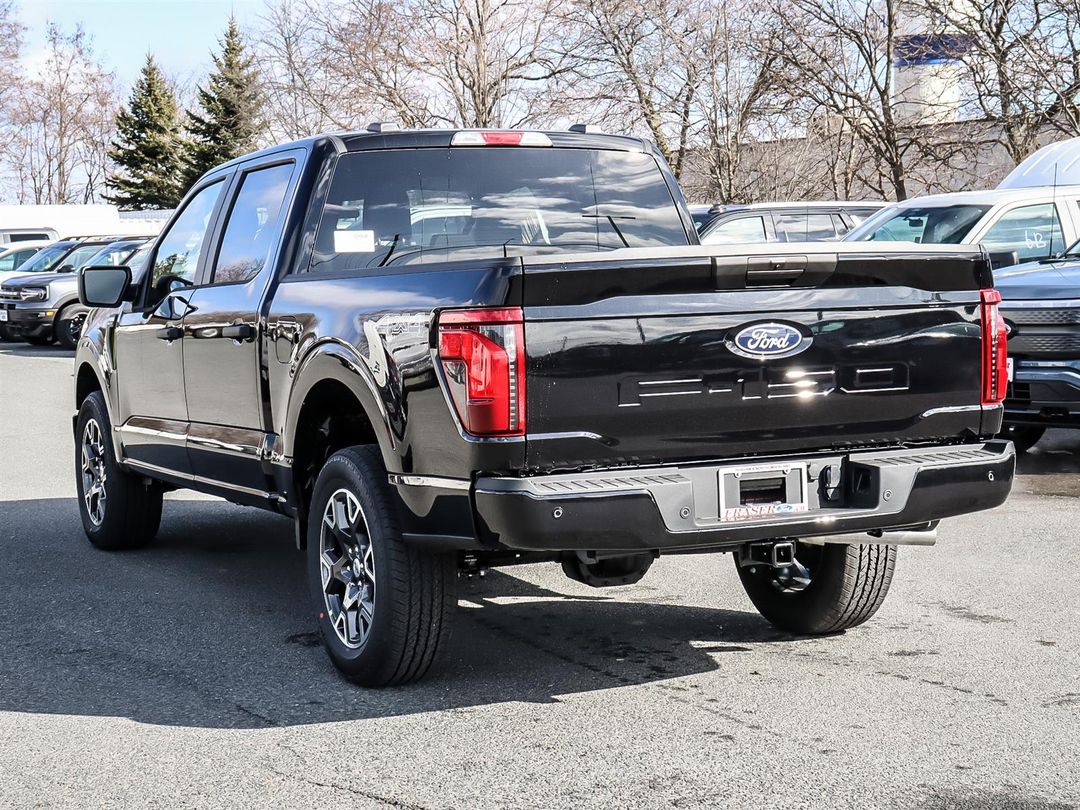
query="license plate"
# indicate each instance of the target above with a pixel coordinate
(762, 492)
(1010, 368)
(3, 315)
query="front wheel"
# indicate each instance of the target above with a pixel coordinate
(384, 608)
(69, 325)
(827, 589)
(119, 510)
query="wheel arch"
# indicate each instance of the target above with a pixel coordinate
(333, 404)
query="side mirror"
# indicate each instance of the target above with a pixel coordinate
(1003, 258)
(104, 286)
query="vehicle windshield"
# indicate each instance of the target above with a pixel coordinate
(928, 225)
(429, 205)
(45, 259)
(78, 258)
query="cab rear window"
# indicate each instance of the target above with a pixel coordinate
(430, 205)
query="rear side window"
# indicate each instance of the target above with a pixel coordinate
(803, 227)
(742, 229)
(28, 236)
(431, 205)
(253, 225)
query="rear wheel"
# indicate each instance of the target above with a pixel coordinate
(119, 510)
(384, 608)
(1023, 437)
(829, 588)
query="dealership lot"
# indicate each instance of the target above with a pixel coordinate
(188, 674)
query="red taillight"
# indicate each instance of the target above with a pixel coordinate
(995, 374)
(482, 352)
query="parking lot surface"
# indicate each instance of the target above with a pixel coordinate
(187, 674)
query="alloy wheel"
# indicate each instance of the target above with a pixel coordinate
(347, 568)
(93, 472)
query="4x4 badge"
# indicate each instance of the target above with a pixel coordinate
(764, 341)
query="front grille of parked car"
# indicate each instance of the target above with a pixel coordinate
(1043, 317)
(1044, 332)
(9, 294)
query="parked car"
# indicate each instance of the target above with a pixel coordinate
(781, 222)
(1032, 214)
(14, 254)
(43, 307)
(58, 257)
(1042, 309)
(552, 372)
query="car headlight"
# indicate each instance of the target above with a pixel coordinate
(34, 293)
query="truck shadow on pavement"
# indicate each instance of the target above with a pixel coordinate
(19, 349)
(206, 628)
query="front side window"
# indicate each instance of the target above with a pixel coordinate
(254, 223)
(78, 258)
(734, 231)
(430, 205)
(1033, 231)
(181, 247)
(112, 255)
(927, 225)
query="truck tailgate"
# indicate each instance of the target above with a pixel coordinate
(642, 357)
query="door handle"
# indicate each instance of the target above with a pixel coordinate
(169, 333)
(239, 331)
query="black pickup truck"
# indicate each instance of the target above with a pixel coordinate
(444, 350)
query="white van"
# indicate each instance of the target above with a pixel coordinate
(1034, 213)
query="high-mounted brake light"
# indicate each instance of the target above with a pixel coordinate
(995, 372)
(482, 353)
(474, 137)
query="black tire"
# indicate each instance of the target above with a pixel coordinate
(38, 340)
(1023, 437)
(411, 592)
(848, 583)
(131, 509)
(68, 325)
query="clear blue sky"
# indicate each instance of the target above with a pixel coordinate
(180, 33)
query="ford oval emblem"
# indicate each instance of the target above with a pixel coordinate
(764, 341)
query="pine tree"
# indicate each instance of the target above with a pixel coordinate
(148, 149)
(231, 108)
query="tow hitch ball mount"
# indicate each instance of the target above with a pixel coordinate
(778, 554)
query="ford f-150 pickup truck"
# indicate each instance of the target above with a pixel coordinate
(443, 350)
(1041, 308)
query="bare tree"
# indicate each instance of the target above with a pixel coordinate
(837, 61)
(61, 120)
(481, 63)
(1021, 62)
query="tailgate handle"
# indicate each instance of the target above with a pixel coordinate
(770, 271)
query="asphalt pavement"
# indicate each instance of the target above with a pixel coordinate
(188, 674)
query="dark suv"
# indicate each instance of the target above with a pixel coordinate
(780, 222)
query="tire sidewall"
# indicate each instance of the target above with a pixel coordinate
(382, 643)
(93, 407)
